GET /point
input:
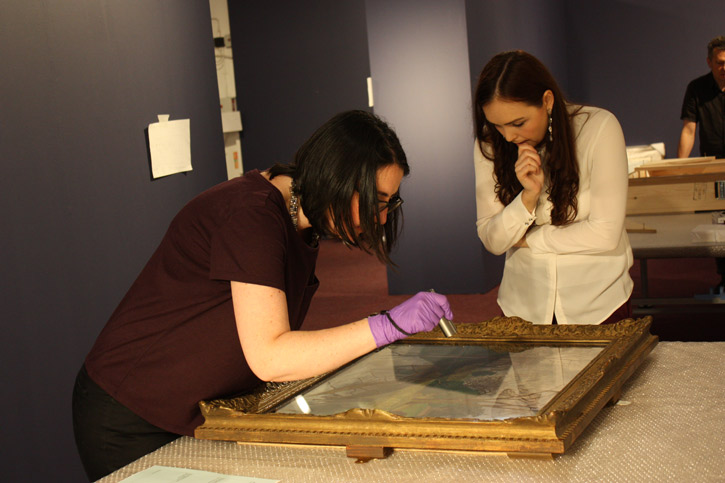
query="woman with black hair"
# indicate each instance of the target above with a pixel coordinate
(218, 307)
(551, 192)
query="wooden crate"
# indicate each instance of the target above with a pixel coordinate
(671, 188)
(679, 166)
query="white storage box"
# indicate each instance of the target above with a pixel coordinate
(708, 233)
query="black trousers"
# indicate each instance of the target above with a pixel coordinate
(109, 435)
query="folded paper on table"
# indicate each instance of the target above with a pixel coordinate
(708, 234)
(163, 474)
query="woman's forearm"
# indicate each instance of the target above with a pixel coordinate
(301, 354)
(274, 352)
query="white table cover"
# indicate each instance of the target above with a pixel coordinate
(668, 426)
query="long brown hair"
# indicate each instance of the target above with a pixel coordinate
(520, 77)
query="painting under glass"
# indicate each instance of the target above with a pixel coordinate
(470, 382)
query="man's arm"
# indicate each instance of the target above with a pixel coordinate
(687, 139)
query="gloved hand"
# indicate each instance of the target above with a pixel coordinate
(420, 313)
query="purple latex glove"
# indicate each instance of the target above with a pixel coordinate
(420, 313)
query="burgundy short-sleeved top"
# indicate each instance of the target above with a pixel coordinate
(173, 339)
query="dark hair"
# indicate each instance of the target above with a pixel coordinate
(521, 77)
(341, 158)
(718, 43)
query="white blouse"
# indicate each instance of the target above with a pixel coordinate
(580, 271)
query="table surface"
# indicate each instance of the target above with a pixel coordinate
(673, 239)
(669, 425)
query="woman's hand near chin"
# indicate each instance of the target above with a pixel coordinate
(530, 175)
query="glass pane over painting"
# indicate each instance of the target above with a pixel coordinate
(471, 382)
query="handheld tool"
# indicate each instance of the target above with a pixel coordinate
(449, 330)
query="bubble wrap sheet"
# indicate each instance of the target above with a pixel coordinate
(668, 426)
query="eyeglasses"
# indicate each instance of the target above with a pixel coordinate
(391, 205)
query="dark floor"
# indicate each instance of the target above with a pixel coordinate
(353, 285)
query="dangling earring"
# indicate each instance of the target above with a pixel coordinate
(551, 131)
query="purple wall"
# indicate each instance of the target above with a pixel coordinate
(80, 214)
(632, 57)
(297, 64)
(636, 57)
(81, 81)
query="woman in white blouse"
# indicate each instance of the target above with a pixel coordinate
(551, 192)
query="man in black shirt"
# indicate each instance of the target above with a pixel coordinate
(704, 103)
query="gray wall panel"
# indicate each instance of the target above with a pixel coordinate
(419, 64)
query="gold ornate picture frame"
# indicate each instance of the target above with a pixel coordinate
(504, 385)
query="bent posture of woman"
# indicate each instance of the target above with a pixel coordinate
(218, 307)
(551, 193)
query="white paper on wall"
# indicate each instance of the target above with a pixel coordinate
(231, 121)
(170, 146)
